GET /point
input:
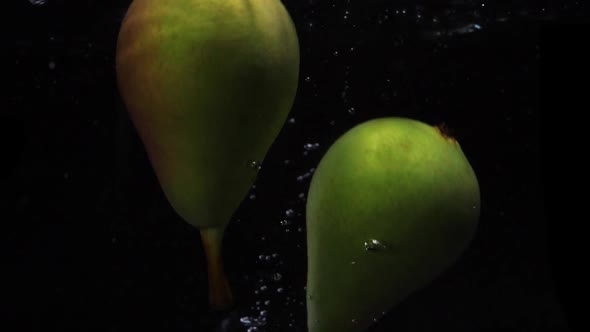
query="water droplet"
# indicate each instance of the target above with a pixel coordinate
(280, 290)
(261, 257)
(299, 229)
(252, 196)
(292, 120)
(351, 110)
(354, 321)
(256, 165)
(38, 2)
(263, 313)
(263, 288)
(374, 245)
(307, 79)
(353, 263)
(51, 65)
(275, 255)
(285, 222)
(252, 329)
(277, 277)
(267, 302)
(289, 212)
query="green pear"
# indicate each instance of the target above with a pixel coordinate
(392, 204)
(208, 85)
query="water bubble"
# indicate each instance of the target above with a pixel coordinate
(256, 165)
(311, 146)
(246, 320)
(374, 245)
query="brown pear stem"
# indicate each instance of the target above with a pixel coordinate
(220, 296)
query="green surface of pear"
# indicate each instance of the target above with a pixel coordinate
(392, 204)
(208, 85)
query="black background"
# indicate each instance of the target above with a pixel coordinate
(91, 243)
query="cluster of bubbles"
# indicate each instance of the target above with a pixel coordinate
(38, 2)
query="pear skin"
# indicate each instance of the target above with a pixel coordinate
(392, 204)
(208, 85)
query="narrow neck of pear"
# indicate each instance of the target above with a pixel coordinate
(220, 297)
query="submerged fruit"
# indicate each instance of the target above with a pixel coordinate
(208, 85)
(392, 204)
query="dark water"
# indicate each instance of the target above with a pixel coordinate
(95, 246)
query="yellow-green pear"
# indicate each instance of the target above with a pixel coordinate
(208, 85)
(392, 204)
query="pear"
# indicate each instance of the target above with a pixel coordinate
(208, 85)
(393, 203)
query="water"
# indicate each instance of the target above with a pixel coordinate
(77, 169)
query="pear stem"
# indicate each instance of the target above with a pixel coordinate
(220, 296)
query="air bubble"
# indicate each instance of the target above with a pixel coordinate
(374, 245)
(256, 165)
